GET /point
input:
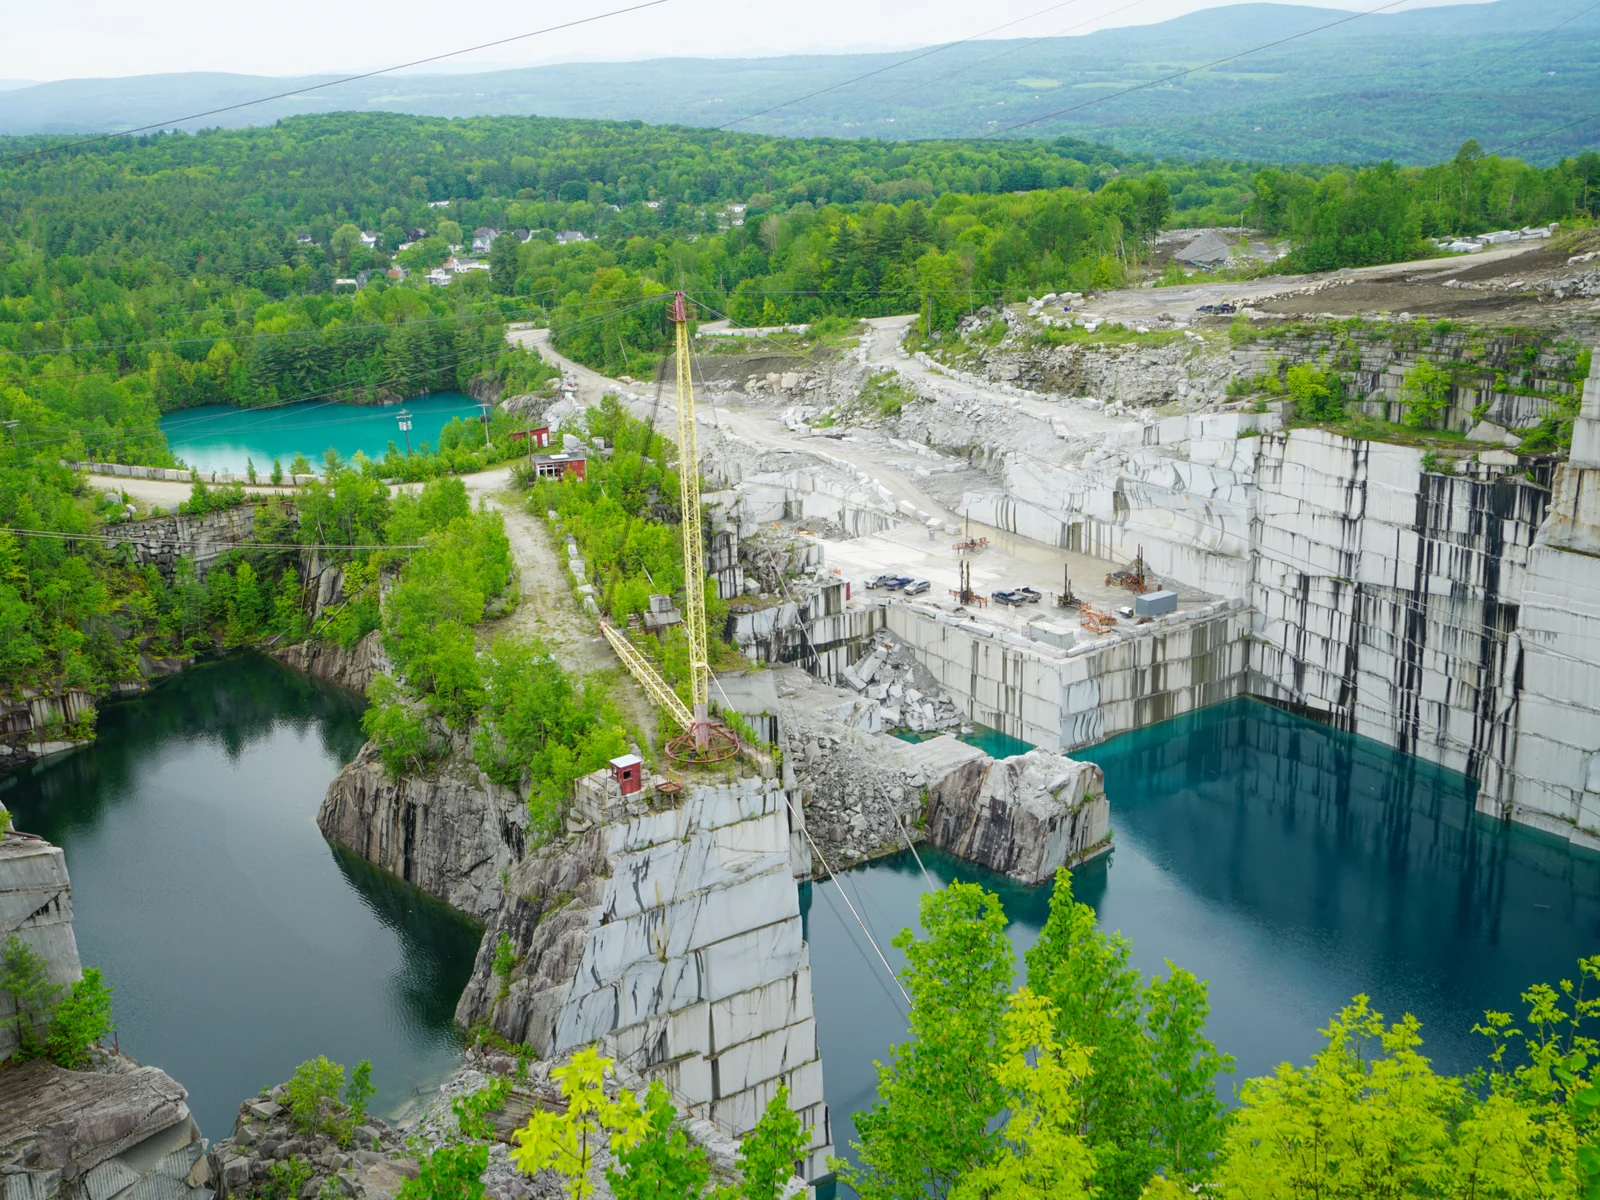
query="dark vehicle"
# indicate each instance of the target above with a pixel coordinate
(878, 581)
(898, 582)
(1014, 599)
(917, 588)
(1220, 310)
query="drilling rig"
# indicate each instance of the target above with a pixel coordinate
(701, 741)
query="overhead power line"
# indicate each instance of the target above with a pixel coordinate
(1518, 49)
(939, 49)
(119, 541)
(316, 87)
(1547, 133)
(1061, 112)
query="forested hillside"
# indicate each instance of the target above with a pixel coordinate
(138, 276)
(147, 274)
(1409, 84)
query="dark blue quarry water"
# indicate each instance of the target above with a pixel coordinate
(1290, 865)
(238, 942)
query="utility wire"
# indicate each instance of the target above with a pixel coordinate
(1547, 133)
(940, 49)
(111, 540)
(1061, 112)
(1526, 44)
(432, 58)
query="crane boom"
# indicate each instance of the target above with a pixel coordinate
(694, 562)
(649, 678)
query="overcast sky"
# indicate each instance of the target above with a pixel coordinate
(78, 38)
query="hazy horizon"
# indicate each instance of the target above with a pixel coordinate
(96, 39)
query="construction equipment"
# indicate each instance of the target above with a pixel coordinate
(1065, 597)
(1092, 619)
(1136, 579)
(969, 544)
(701, 741)
(966, 595)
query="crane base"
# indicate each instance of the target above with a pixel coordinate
(722, 745)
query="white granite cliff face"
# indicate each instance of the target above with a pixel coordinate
(1554, 774)
(671, 935)
(1063, 699)
(450, 833)
(36, 908)
(1452, 616)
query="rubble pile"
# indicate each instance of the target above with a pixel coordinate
(895, 691)
(266, 1147)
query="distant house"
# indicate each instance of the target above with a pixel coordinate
(305, 239)
(397, 273)
(404, 246)
(483, 239)
(416, 235)
(1208, 250)
(439, 203)
(568, 236)
(737, 221)
(736, 208)
(522, 235)
(557, 466)
(345, 283)
(369, 239)
(364, 277)
(439, 277)
(460, 266)
(652, 204)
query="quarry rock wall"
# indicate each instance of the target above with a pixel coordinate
(35, 908)
(1510, 380)
(450, 833)
(1448, 615)
(205, 538)
(672, 936)
(1064, 699)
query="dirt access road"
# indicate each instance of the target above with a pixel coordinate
(1493, 286)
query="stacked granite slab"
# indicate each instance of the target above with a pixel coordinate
(671, 936)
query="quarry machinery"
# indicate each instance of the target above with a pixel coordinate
(701, 741)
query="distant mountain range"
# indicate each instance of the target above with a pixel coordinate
(1411, 86)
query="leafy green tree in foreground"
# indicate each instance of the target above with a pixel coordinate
(937, 1097)
(654, 1160)
(1149, 1101)
(46, 1024)
(990, 1093)
(1371, 1119)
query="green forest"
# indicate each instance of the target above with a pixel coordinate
(143, 275)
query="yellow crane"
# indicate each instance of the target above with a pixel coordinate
(701, 741)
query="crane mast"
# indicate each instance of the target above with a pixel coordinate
(701, 741)
(694, 561)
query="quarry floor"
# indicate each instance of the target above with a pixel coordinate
(923, 545)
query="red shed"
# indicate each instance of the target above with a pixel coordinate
(627, 773)
(535, 437)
